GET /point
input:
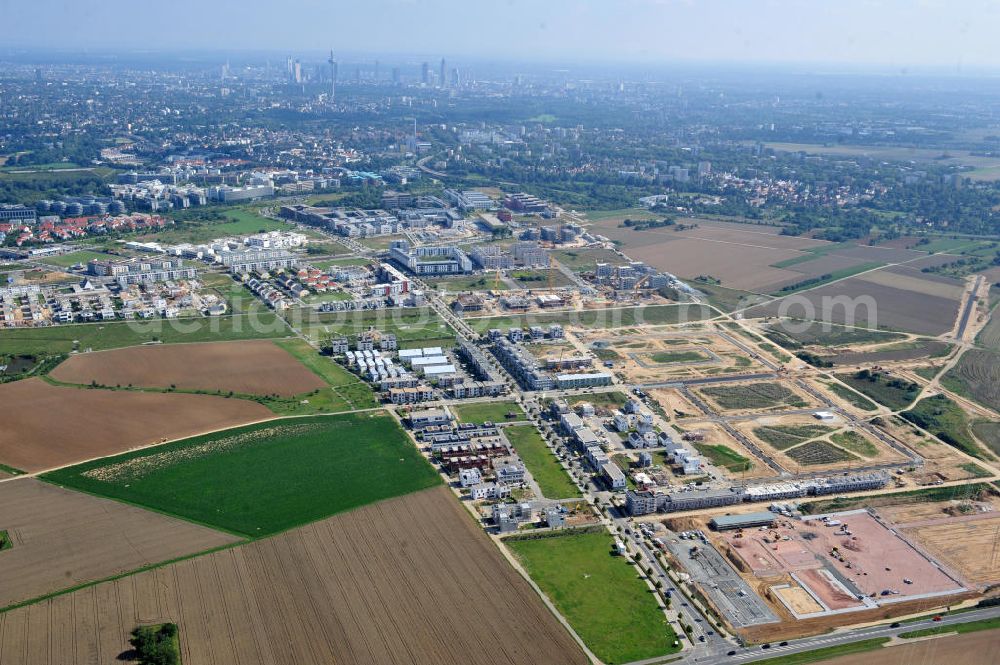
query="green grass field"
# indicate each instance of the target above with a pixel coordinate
(667, 357)
(480, 412)
(544, 468)
(599, 594)
(265, 478)
(80, 256)
(417, 326)
(852, 398)
(606, 400)
(783, 437)
(348, 388)
(752, 396)
(724, 457)
(884, 389)
(946, 420)
(99, 336)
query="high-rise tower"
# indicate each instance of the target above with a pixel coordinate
(333, 77)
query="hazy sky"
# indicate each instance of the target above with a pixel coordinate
(954, 34)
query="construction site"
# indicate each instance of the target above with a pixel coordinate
(836, 563)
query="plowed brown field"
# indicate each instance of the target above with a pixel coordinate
(63, 538)
(46, 426)
(255, 368)
(407, 580)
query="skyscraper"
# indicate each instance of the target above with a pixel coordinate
(442, 81)
(333, 76)
(395, 76)
(425, 73)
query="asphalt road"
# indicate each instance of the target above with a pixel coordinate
(752, 654)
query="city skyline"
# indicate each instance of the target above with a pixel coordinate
(888, 33)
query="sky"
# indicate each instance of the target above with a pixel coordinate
(946, 34)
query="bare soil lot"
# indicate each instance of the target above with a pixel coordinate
(46, 426)
(965, 544)
(408, 580)
(255, 367)
(63, 538)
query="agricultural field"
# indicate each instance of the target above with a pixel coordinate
(492, 411)
(977, 376)
(891, 353)
(989, 336)
(552, 479)
(738, 256)
(264, 478)
(989, 434)
(63, 539)
(250, 367)
(47, 426)
(855, 443)
(102, 336)
(889, 300)
(959, 542)
(410, 579)
(611, 610)
(752, 396)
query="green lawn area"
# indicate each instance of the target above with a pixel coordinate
(553, 480)
(264, 478)
(725, 457)
(599, 594)
(99, 336)
(480, 412)
(468, 283)
(826, 653)
(613, 317)
(667, 357)
(80, 256)
(608, 400)
(970, 627)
